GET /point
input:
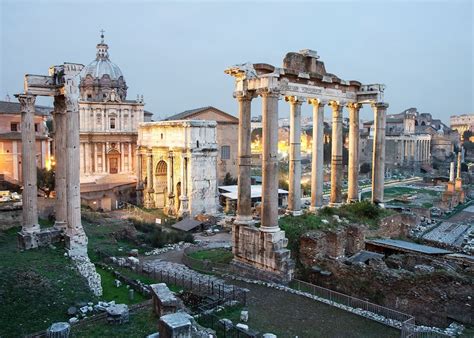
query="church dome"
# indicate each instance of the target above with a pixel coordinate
(102, 77)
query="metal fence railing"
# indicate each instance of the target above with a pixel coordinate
(399, 320)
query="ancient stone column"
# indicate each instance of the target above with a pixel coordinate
(244, 201)
(139, 179)
(269, 160)
(353, 170)
(87, 158)
(76, 239)
(458, 169)
(451, 172)
(183, 209)
(171, 207)
(317, 156)
(378, 157)
(149, 203)
(336, 154)
(30, 223)
(61, 159)
(294, 195)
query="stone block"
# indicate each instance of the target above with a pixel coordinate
(27, 241)
(164, 301)
(175, 325)
(58, 330)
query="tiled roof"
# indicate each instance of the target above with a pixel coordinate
(188, 113)
(14, 108)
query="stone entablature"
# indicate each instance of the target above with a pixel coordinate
(302, 79)
(180, 157)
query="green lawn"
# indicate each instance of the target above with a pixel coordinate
(142, 323)
(119, 294)
(218, 255)
(36, 287)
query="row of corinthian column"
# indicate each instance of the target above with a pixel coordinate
(270, 155)
(67, 184)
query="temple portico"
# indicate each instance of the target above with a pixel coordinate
(303, 78)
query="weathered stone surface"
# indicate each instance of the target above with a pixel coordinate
(164, 301)
(58, 330)
(117, 313)
(262, 250)
(175, 325)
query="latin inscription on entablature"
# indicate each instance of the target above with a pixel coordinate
(317, 92)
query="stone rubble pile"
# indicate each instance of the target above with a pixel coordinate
(453, 329)
(168, 247)
(88, 309)
(87, 269)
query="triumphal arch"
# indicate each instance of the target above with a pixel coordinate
(302, 79)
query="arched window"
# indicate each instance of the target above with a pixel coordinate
(161, 168)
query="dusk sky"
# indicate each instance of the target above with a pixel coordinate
(175, 54)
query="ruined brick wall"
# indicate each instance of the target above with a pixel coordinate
(395, 226)
(344, 241)
(435, 298)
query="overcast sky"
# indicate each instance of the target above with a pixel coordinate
(175, 53)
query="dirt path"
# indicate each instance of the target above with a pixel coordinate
(289, 315)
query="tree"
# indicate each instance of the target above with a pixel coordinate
(365, 168)
(229, 180)
(45, 180)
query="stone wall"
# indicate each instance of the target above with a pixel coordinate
(10, 219)
(341, 242)
(435, 297)
(394, 226)
(255, 249)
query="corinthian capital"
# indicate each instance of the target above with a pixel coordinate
(294, 99)
(269, 92)
(27, 102)
(72, 103)
(336, 106)
(246, 95)
(354, 105)
(60, 104)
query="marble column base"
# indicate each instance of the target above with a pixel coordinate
(244, 220)
(294, 212)
(60, 225)
(335, 205)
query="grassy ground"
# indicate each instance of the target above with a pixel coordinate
(142, 323)
(36, 287)
(218, 255)
(119, 294)
(289, 315)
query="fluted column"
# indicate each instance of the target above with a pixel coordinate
(149, 181)
(336, 154)
(353, 170)
(61, 158)
(378, 159)
(129, 157)
(294, 196)
(244, 201)
(317, 156)
(87, 157)
(28, 166)
(171, 207)
(76, 240)
(270, 160)
(139, 179)
(183, 209)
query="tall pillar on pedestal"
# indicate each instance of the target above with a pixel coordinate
(183, 209)
(244, 201)
(353, 170)
(171, 207)
(61, 158)
(149, 201)
(139, 179)
(270, 160)
(378, 159)
(30, 223)
(317, 156)
(294, 196)
(76, 239)
(336, 154)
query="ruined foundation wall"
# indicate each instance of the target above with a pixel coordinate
(262, 250)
